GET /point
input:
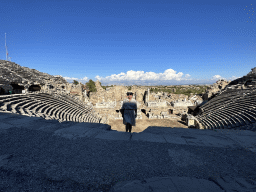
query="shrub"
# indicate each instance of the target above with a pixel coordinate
(75, 82)
(91, 85)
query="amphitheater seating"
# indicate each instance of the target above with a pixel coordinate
(221, 101)
(50, 106)
(46, 105)
(59, 104)
(62, 108)
(230, 109)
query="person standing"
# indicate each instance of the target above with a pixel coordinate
(129, 112)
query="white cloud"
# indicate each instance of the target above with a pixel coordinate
(71, 79)
(85, 79)
(217, 77)
(168, 77)
(131, 75)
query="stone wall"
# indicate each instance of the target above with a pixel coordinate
(215, 88)
(12, 73)
(116, 93)
(98, 86)
(156, 104)
(157, 112)
(182, 103)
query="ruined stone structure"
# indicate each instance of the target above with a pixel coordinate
(39, 94)
(245, 82)
(76, 90)
(103, 104)
(182, 103)
(17, 79)
(215, 89)
(107, 103)
(48, 106)
(195, 99)
(156, 104)
(234, 107)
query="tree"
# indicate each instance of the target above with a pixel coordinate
(91, 85)
(75, 82)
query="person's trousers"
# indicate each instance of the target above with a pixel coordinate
(128, 127)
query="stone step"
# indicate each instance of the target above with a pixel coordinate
(235, 184)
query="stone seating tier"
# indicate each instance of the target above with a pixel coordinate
(239, 118)
(216, 104)
(223, 97)
(24, 104)
(69, 99)
(222, 119)
(28, 103)
(57, 103)
(229, 113)
(21, 104)
(71, 111)
(86, 110)
(6, 103)
(48, 108)
(244, 104)
(227, 120)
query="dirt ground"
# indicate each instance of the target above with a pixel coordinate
(142, 124)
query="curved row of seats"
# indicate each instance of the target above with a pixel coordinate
(47, 106)
(50, 114)
(242, 104)
(232, 109)
(20, 102)
(223, 101)
(228, 96)
(229, 117)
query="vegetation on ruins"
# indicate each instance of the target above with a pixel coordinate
(104, 87)
(83, 86)
(181, 90)
(195, 90)
(176, 89)
(75, 82)
(91, 85)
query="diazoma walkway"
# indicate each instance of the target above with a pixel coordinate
(48, 155)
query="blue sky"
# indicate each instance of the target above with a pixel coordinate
(143, 42)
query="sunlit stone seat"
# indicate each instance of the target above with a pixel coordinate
(48, 106)
(232, 109)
